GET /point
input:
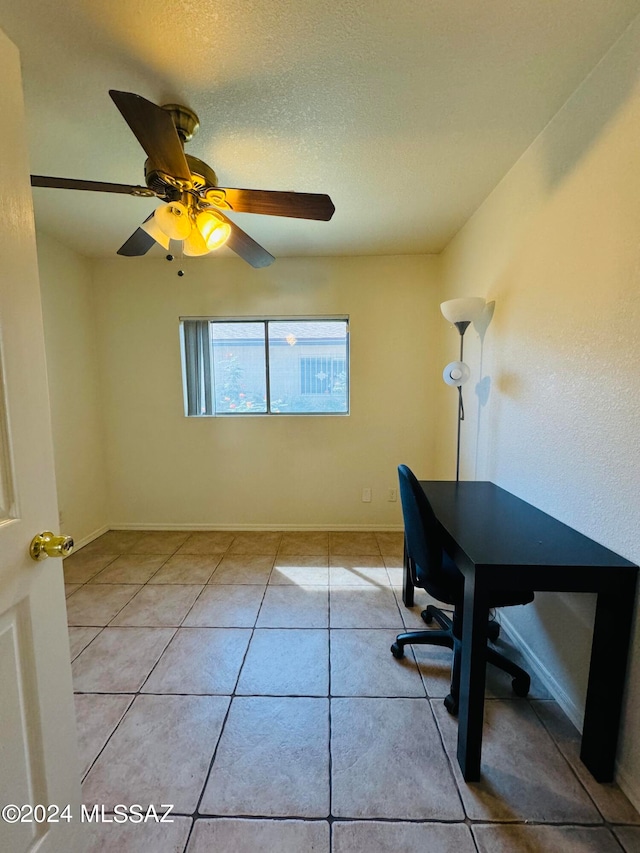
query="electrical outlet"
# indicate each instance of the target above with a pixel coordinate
(366, 495)
(393, 495)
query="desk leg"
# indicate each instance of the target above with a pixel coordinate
(472, 678)
(407, 583)
(607, 673)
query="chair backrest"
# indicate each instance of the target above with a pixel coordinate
(421, 531)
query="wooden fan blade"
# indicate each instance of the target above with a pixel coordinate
(95, 186)
(275, 203)
(155, 131)
(250, 251)
(138, 244)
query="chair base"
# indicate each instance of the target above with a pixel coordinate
(447, 637)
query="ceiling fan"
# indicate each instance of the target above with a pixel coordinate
(195, 209)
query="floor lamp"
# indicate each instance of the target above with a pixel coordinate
(460, 312)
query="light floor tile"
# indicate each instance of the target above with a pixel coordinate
(287, 606)
(629, 837)
(358, 572)
(158, 542)
(112, 542)
(563, 839)
(357, 561)
(81, 567)
(362, 665)
(229, 835)
(119, 660)
(365, 607)
(610, 800)
(411, 616)
(388, 763)
(243, 568)
(98, 604)
(272, 760)
(160, 753)
(165, 605)
(286, 662)
(207, 542)
(187, 569)
(226, 606)
(396, 574)
(346, 542)
(390, 837)
(391, 544)
(79, 639)
(200, 661)
(524, 777)
(256, 542)
(70, 588)
(130, 568)
(300, 542)
(145, 837)
(96, 718)
(301, 569)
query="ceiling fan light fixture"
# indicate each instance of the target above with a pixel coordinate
(210, 231)
(194, 245)
(173, 220)
(153, 230)
(214, 228)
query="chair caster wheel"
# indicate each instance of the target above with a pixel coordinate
(520, 686)
(493, 631)
(426, 617)
(451, 705)
(397, 651)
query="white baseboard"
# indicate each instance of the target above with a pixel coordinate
(356, 528)
(555, 688)
(628, 785)
(80, 543)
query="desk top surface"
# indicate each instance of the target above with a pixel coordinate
(492, 527)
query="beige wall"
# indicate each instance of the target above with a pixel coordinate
(167, 470)
(76, 405)
(554, 402)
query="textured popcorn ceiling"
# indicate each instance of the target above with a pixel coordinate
(407, 112)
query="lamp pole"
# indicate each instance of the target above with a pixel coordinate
(461, 313)
(461, 326)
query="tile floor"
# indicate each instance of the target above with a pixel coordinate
(246, 679)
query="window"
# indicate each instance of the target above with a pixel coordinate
(258, 366)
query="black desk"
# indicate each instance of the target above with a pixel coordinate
(498, 540)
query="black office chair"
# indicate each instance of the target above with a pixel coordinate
(432, 569)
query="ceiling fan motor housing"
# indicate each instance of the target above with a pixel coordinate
(202, 176)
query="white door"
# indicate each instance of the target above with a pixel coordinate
(38, 750)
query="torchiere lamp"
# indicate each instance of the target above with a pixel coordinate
(460, 312)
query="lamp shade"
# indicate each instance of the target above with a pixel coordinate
(456, 373)
(213, 228)
(153, 230)
(210, 233)
(173, 220)
(464, 310)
